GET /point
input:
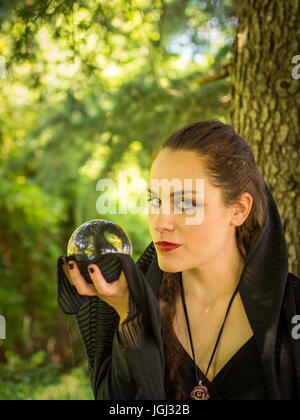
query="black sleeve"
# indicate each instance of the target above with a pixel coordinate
(296, 285)
(129, 333)
(102, 334)
(118, 355)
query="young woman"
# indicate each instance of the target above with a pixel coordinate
(208, 310)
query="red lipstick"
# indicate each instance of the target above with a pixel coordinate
(166, 246)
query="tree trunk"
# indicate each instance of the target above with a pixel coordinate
(266, 102)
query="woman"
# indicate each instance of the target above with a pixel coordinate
(212, 317)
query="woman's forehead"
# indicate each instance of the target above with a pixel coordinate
(182, 164)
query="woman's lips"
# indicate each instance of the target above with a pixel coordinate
(166, 248)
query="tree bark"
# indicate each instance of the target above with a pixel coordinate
(265, 106)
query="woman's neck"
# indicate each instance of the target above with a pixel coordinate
(215, 278)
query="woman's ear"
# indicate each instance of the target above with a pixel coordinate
(241, 209)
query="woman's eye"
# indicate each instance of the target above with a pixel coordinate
(187, 204)
(150, 200)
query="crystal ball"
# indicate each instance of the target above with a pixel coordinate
(98, 242)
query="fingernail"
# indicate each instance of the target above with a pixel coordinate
(91, 270)
(71, 266)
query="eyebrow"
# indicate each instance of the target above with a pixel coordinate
(173, 193)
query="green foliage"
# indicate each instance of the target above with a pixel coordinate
(91, 88)
(32, 379)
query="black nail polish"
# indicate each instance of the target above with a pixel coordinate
(71, 266)
(91, 270)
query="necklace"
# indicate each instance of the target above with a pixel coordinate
(200, 392)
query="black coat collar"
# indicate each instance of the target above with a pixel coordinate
(262, 287)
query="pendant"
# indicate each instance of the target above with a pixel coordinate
(200, 392)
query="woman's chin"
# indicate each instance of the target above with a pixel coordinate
(169, 268)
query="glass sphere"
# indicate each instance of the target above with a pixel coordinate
(96, 242)
(98, 237)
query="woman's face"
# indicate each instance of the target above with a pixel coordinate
(199, 243)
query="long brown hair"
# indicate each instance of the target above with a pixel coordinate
(230, 166)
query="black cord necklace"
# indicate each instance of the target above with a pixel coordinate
(200, 392)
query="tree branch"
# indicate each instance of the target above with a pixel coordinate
(217, 76)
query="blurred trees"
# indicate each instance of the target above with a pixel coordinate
(91, 88)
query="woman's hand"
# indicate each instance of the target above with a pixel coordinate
(115, 294)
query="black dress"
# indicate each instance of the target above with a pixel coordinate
(240, 379)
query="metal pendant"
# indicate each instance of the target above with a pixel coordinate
(200, 392)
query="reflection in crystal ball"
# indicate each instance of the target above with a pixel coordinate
(98, 237)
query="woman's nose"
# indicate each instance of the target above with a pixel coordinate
(163, 222)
